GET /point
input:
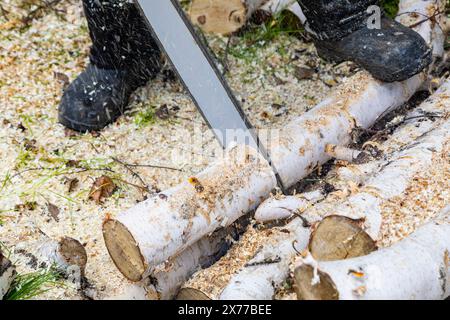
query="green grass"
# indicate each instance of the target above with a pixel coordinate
(390, 6)
(28, 286)
(146, 117)
(256, 37)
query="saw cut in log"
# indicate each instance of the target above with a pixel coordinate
(161, 227)
(191, 294)
(228, 16)
(7, 275)
(417, 267)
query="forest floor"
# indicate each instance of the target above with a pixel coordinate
(47, 172)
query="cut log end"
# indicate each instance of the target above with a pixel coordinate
(338, 238)
(124, 252)
(191, 294)
(308, 289)
(73, 252)
(221, 17)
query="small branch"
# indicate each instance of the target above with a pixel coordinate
(146, 166)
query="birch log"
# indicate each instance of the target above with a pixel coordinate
(66, 254)
(416, 123)
(418, 267)
(168, 278)
(167, 281)
(7, 275)
(228, 16)
(147, 235)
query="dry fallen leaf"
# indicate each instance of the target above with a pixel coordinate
(102, 188)
(62, 78)
(163, 112)
(53, 211)
(72, 183)
(302, 73)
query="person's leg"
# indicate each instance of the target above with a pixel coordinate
(123, 57)
(343, 30)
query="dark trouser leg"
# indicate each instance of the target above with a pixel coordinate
(120, 38)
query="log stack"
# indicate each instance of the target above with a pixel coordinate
(421, 142)
(143, 239)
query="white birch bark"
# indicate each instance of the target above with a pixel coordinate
(391, 182)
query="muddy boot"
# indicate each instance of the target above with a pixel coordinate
(123, 58)
(345, 30)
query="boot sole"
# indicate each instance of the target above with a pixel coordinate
(84, 127)
(331, 56)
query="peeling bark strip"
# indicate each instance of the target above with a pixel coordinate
(416, 268)
(346, 154)
(284, 207)
(7, 275)
(162, 227)
(228, 16)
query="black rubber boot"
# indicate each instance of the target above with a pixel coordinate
(123, 57)
(343, 31)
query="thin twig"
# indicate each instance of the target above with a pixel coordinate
(147, 166)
